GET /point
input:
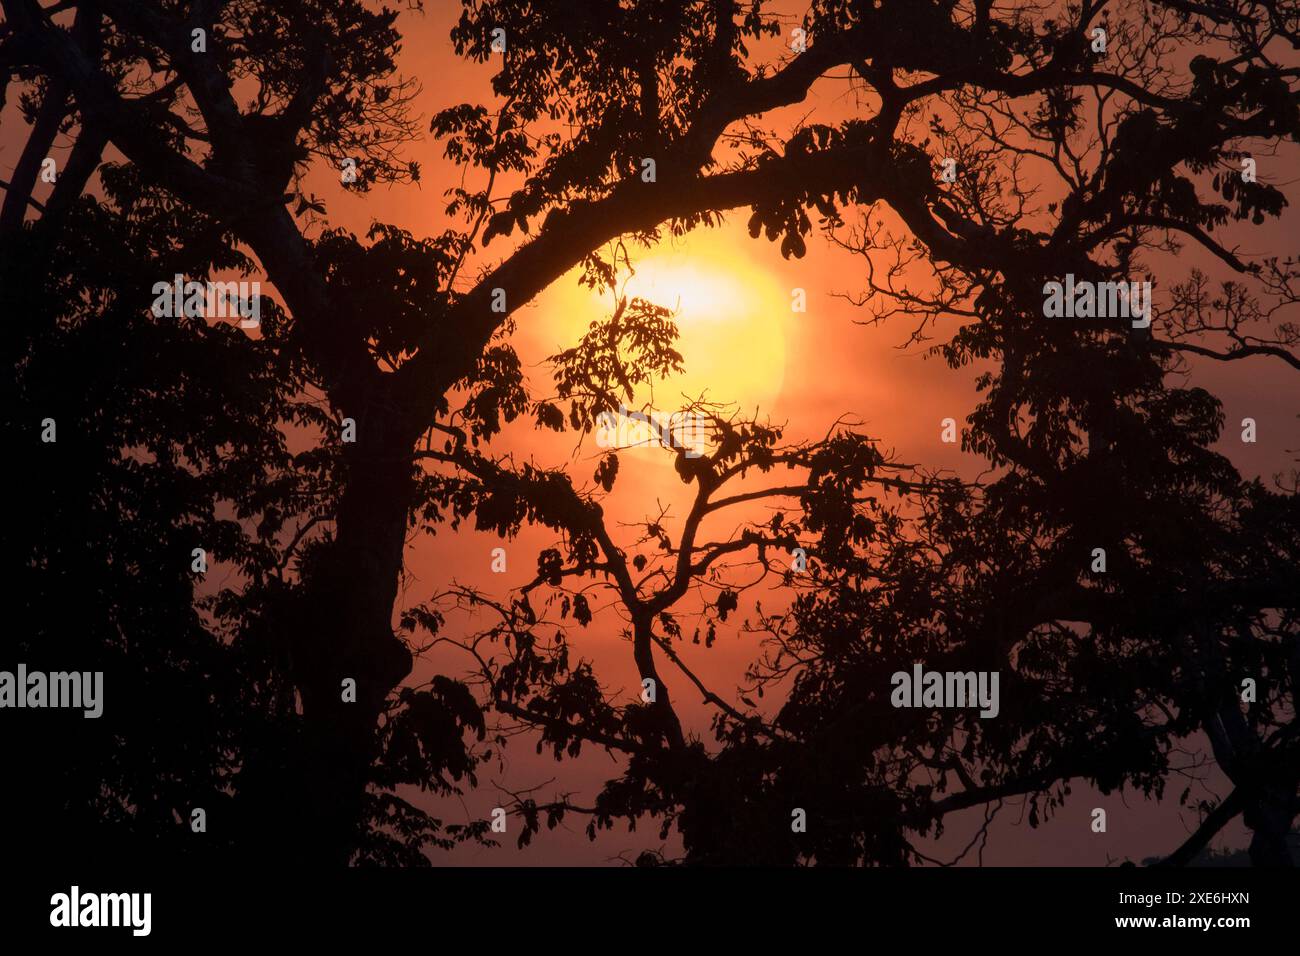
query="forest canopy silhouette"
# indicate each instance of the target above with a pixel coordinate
(1134, 591)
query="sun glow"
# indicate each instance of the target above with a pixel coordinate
(730, 314)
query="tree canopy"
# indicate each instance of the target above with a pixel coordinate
(993, 149)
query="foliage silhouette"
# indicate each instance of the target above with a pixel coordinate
(1094, 441)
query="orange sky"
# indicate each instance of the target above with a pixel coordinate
(742, 342)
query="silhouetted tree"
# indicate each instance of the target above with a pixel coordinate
(391, 332)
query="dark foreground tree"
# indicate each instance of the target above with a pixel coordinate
(222, 107)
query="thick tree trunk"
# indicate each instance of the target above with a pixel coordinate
(343, 632)
(341, 622)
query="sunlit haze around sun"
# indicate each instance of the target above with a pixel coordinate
(731, 316)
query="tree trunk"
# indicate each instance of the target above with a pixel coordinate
(643, 654)
(343, 630)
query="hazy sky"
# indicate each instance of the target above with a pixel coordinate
(743, 343)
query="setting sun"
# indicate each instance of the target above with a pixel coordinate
(730, 314)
